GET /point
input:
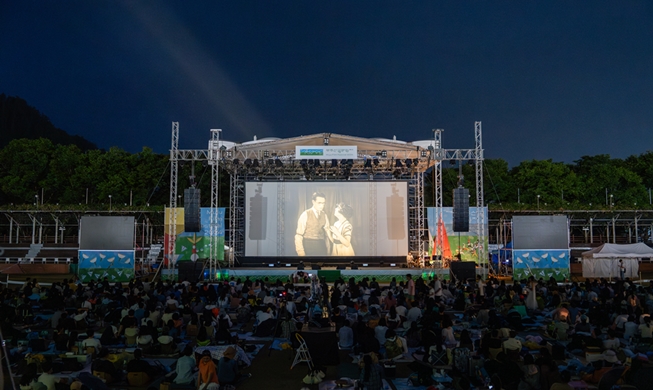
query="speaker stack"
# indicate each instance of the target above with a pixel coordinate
(192, 222)
(463, 270)
(461, 210)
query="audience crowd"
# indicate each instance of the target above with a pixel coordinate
(522, 335)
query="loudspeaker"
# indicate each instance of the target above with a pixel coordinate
(341, 267)
(463, 270)
(192, 222)
(461, 210)
(189, 270)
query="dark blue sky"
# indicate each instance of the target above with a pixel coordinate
(549, 79)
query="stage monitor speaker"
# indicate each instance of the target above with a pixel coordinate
(341, 267)
(190, 270)
(463, 270)
(316, 267)
(461, 210)
(192, 217)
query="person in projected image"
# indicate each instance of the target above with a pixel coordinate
(340, 231)
(312, 229)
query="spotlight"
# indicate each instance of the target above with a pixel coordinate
(229, 154)
(266, 154)
(334, 163)
(316, 163)
(452, 162)
(278, 163)
(408, 162)
(415, 161)
(326, 140)
(423, 154)
(384, 153)
(396, 174)
(376, 161)
(236, 161)
(398, 164)
(255, 163)
(270, 162)
(303, 162)
(368, 163)
(248, 162)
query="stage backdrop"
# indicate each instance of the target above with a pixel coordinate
(378, 221)
(106, 248)
(196, 246)
(466, 242)
(540, 247)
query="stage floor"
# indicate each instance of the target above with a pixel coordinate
(382, 274)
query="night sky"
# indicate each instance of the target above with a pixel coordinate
(548, 79)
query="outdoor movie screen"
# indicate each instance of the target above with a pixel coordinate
(326, 219)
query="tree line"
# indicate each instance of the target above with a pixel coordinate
(40, 173)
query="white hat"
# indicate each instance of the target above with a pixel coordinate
(610, 356)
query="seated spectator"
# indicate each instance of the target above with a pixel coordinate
(109, 336)
(370, 376)
(393, 345)
(47, 379)
(228, 368)
(29, 379)
(346, 336)
(645, 329)
(185, 367)
(103, 365)
(612, 342)
(393, 320)
(91, 341)
(208, 375)
(137, 364)
(379, 331)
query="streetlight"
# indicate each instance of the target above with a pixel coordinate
(36, 198)
(538, 202)
(109, 203)
(611, 202)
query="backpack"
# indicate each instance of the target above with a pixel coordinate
(461, 359)
(393, 348)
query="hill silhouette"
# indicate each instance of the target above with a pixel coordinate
(20, 120)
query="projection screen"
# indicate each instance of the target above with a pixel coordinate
(341, 220)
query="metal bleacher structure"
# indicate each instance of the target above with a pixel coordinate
(273, 159)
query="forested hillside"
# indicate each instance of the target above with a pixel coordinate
(20, 120)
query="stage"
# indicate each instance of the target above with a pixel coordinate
(382, 274)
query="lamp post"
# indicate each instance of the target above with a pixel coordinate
(611, 202)
(36, 200)
(538, 202)
(109, 203)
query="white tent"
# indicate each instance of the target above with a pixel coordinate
(603, 261)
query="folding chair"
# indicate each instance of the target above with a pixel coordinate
(303, 355)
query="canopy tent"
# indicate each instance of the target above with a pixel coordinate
(603, 261)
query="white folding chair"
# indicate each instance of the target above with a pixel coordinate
(303, 355)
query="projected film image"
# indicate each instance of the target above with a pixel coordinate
(326, 219)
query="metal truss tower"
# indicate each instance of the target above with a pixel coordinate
(172, 216)
(214, 160)
(480, 202)
(437, 191)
